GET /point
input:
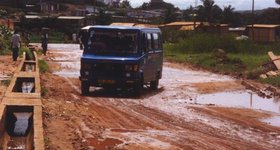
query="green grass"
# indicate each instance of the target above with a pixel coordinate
(242, 58)
(43, 66)
(237, 62)
(54, 37)
(275, 81)
(44, 91)
(28, 52)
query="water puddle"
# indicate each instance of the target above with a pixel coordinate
(28, 67)
(24, 85)
(67, 74)
(63, 47)
(69, 61)
(244, 99)
(18, 128)
(274, 121)
(21, 123)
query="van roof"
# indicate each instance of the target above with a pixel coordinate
(124, 28)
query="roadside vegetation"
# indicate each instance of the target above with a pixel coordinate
(54, 37)
(5, 38)
(223, 54)
(43, 66)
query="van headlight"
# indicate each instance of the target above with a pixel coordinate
(128, 75)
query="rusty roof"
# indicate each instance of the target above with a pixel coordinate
(181, 23)
(123, 24)
(264, 26)
(146, 25)
(187, 28)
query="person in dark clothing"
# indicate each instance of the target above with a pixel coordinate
(44, 39)
(82, 39)
(15, 44)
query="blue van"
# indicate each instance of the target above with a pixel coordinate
(126, 57)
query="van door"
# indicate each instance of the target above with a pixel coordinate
(148, 66)
(157, 56)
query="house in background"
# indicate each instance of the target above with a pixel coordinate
(49, 7)
(237, 31)
(9, 23)
(180, 25)
(263, 32)
(213, 28)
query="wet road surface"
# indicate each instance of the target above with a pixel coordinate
(181, 114)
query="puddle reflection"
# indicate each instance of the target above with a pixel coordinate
(274, 121)
(245, 99)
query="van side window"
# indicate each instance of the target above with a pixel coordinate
(149, 41)
(156, 41)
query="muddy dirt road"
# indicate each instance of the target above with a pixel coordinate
(183, 113)
(7, 68)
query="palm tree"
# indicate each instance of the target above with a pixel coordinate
(278, 2)
(209, 11)
(227, 15)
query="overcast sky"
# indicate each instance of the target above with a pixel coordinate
(237, 4)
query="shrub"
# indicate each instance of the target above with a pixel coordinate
(5, 38)
(28, 52)
(275, 81)
(43, 66)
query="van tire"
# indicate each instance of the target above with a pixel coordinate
(154, 84)
(138, 88)
(85, 87)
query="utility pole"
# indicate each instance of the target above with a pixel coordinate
(194, 14)
(253, 17)
(41, 6)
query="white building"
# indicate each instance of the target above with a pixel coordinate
(109, 2)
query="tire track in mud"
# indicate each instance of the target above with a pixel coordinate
(194, 134)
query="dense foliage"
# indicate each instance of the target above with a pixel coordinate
(5, 36)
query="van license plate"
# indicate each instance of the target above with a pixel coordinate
(107, 81)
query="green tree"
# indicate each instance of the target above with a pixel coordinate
(103, 18)
(228, 15)
(189, 14)
(170, 15)
(125, 4)
(277, 2)
(269, 16)
(209, 11)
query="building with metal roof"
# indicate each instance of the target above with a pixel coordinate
(263, 32)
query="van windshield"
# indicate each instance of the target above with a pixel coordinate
(112, 42)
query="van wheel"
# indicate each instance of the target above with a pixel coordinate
(85, 88)
(137, 88)
(154, 84)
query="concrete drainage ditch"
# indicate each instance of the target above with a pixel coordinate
(18, 128)
(21, 109)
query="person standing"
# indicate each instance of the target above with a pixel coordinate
(44, 39)
(15, 44)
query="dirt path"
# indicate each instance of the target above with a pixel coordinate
(7, 68)
(169, 118)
